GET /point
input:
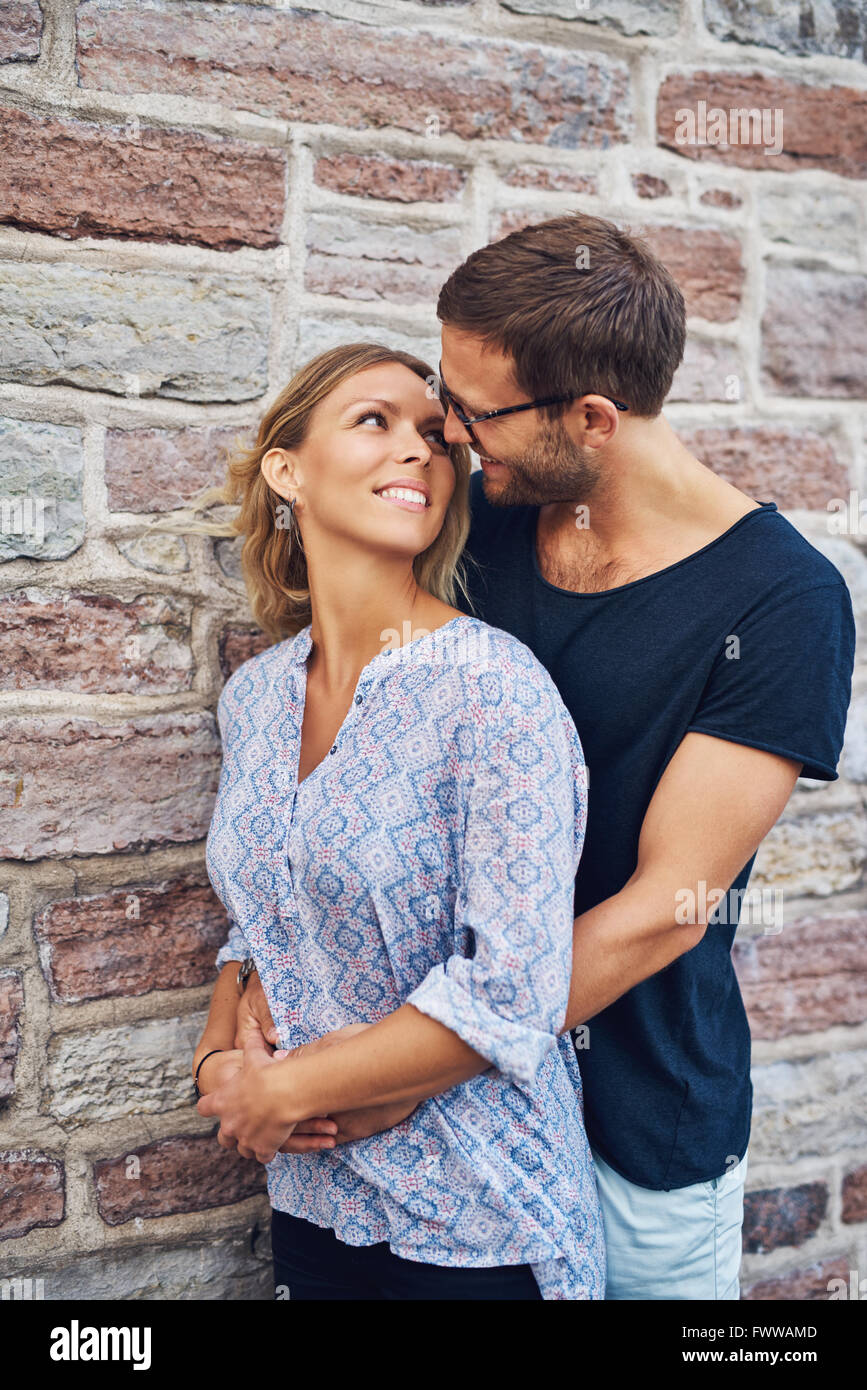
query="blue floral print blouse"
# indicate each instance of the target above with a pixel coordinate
(428, 859)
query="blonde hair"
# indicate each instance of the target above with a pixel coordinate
(273, 563)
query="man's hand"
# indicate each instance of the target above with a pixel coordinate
(253, 1014)
(347, 1124)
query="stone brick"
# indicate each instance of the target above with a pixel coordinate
(809, 1107)
(138, 1069)
(154, 470)
(822, 127)
(813, 332)
(710, 371)
(648, 186)
(238, 644)
(657, 17)
(819, 218)
(855, 1195)
(809, 1283)
(854, 764)
(818, 854)
(159, 554)
(377, 260)
(838, 27)
(20, 31)
(395, 180)
(34, 1192)
(4, 913)
(794, 468)
(554, 180)
(74, 178)
(707, 265)
(134, 332)
(188, 1172)
(41, 468)
(131, 940)
(318, 334)
(779, 1216)
(812, 976)
(227, 553)
(222, 1269)
(94, 642)
(721, 198)
(11, 1004)
(84, 786)
(314, 68)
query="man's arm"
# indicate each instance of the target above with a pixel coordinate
(713, 806)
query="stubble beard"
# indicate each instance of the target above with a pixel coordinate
(554, 469)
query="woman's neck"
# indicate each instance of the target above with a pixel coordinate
(361, 607)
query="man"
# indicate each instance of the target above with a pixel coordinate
(705, 652)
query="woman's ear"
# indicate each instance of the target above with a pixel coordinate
(280, 471)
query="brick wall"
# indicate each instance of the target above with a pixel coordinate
(200, 197)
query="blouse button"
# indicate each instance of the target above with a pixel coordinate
(358, 699)
(334, 749)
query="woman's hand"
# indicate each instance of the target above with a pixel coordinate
(246, 1105)
(219, 1068)
(346, 1125)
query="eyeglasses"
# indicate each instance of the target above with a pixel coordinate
(466, 420)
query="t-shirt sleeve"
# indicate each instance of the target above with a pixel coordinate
(525, 817)
(783, 680)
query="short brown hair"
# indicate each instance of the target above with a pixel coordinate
(617, 327)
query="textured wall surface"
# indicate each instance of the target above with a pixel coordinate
(196, 199)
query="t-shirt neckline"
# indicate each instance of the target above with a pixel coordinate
(761, 510)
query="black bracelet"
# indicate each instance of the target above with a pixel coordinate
(199, 1068)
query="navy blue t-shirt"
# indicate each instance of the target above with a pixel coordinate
(667, 1090)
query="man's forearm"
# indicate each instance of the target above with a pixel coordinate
(406, 1056)
(620, 942)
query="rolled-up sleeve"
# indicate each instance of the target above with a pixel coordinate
(523, 770)
(235, 948)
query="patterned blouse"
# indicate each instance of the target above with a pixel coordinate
(428, 859)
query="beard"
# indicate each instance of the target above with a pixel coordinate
(553, 469)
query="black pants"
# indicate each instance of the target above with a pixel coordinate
(311, 1263)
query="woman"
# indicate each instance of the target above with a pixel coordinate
(397, 830)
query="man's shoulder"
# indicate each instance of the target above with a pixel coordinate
(786, 556)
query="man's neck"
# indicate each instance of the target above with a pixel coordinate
(656, 504)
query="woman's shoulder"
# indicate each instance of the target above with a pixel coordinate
(256, 675)
(490, 667)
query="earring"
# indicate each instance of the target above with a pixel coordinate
(295, 527)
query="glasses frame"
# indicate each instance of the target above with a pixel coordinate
(468, 420)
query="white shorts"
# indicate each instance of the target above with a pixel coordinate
(682, 1244)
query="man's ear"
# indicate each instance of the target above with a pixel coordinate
(281, 473)
(591, 421)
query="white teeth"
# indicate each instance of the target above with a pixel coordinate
(405, 494)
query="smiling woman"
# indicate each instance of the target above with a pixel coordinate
(400, 815)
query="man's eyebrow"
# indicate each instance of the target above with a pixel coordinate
(471, 406)
(389, 405)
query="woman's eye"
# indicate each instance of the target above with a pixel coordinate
(441, 439)
(368, 414)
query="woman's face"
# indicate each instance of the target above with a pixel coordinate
(374, 467)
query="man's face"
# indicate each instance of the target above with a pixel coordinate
(526, 458)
